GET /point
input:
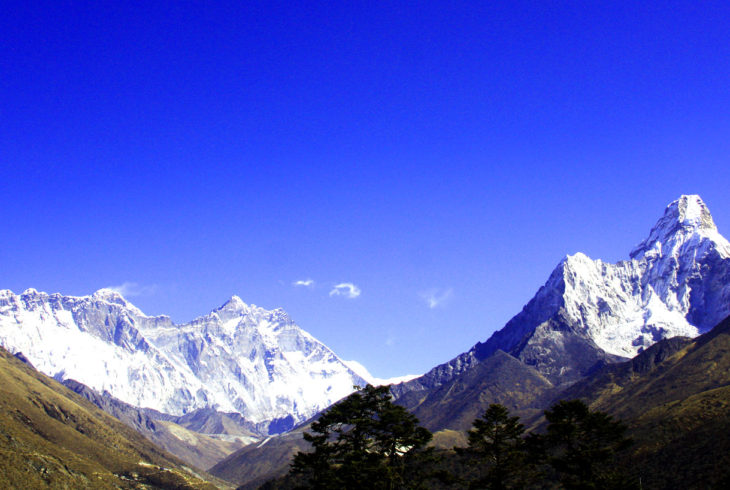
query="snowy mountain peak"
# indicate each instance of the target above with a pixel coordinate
(689, 212)
(234, 308)
(236, 300)
(110, 295)
(692, 211)
(234, 303)
(673, 286)
(687, 219)
(576, 260)
(591, 311)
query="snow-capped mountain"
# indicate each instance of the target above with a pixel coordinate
(677, 282)
(239, 358)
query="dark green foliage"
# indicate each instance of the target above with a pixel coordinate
(580, 445)
(365, 441)
(577, 451)
(496, 443)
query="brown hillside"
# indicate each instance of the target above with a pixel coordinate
(676, 399)
(51, 437)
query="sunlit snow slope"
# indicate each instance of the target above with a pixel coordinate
(239, 358)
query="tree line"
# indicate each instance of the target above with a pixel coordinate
(368, 442)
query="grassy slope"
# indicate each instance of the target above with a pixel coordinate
(199, 449)
(52, 437)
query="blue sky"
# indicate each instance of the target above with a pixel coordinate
(442, 157)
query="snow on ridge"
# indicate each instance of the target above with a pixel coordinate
(622, 309)
(363, 372)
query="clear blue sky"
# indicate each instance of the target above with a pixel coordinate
(198, 150)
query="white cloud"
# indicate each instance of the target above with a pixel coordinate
(346, 289)
(307, 283)
(435, 298)
(130, 289)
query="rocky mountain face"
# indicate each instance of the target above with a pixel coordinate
(239, 358)
(676, 283)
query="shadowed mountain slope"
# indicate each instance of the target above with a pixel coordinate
(676, 398)
(262, 461)
(500, 378)
(671, 370)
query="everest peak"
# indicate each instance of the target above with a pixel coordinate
(108, 294)
(112, 296)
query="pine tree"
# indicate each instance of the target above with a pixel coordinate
(361, 442)
(580, 445)
(496, 442)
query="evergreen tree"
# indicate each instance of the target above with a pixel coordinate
(581, 444)
(361, 442)
(496, 442)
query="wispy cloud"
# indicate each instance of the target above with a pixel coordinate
(131, 289)
(435, 298)
(346, 289)
(306, 283)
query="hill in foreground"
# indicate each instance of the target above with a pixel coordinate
(50, 437)
(676, 398)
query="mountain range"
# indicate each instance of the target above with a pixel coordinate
(242, 374)
(237, 359)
